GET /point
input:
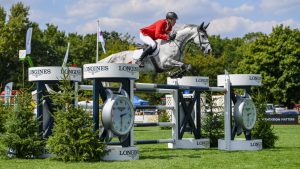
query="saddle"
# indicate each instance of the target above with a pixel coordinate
(137, 54)
(145, 46)
(142, 47)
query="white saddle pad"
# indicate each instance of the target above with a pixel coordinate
(137, 53)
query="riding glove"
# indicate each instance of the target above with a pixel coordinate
(172, 37)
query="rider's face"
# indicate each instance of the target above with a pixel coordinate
(172, 22)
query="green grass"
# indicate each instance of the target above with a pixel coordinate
(285, 155)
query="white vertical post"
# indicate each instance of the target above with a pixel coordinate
(175, 112)
(97, 46)
(76, 96)
(227, 121)
(131, 98)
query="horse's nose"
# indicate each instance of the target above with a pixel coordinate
(207, 51)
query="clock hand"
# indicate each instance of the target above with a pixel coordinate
(121, 122)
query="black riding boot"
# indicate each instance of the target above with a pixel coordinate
(145, 53)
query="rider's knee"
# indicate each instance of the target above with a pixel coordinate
(153, 46)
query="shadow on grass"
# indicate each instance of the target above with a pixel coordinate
(165, 153)
(283, 149)
(145, 130)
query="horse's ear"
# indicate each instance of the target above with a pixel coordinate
(206, 26)
(201, 26)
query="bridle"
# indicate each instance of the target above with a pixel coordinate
(201, 43)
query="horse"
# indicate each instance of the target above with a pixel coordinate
(169, 54)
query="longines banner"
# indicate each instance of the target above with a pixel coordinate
(110, 70)
(51, 73)
(190, 81)
(283, 119)
(241, 79)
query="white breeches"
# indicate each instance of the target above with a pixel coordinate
(148, 40)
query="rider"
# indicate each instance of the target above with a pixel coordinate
(158, 30)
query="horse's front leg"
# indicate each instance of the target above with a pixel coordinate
(182, 68)
(170, 63)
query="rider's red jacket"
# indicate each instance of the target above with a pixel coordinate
(158, 30)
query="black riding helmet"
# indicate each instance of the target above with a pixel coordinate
(171, 15)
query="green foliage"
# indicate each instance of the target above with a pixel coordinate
(213, 123)
(21, 126)
(2, 16)
(73, 138)
(12, 33)
(4, 111)
(164, 116)
(263, 129)
(225, 55)
(276, 57)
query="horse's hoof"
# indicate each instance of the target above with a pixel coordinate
(140, 63)
(189, 67)
(186, 67)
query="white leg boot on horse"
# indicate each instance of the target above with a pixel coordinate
(145, 53)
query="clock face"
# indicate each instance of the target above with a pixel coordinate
(248, 113)
(118, 115)
(122, 116)
(245, 113)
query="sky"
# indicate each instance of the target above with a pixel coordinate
(227, 18)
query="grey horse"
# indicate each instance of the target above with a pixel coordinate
(169, 54)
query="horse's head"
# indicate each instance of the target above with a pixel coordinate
(201, 38)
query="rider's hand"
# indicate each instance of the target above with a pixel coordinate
(172, 37)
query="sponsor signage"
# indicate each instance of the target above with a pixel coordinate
(110, 70)
(133, 154)
(240, 144)
(257, 145)
(8, 92)
(118, 153)
(190, 143)
(54, 73)
(282, 119)
(22, 54)
(190, 81)
(241, 79)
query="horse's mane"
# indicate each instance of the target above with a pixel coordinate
(184, 26)
(188, 25)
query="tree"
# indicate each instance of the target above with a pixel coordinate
(73, 137)
(276, 57)
(21, 135)
(12, 39)
(2, 17)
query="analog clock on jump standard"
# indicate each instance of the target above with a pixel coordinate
(245, 113)
(118, 114)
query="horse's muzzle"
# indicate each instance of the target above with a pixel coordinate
(207, 51)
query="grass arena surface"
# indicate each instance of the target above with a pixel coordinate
(285, 155)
